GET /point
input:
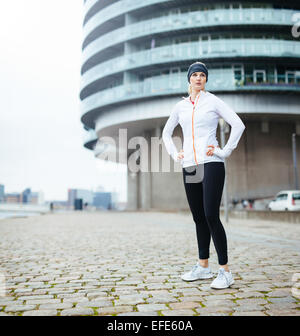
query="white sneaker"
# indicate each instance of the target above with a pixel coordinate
(223, 280)
(196, 273)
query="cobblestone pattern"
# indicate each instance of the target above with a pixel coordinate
(129, 264)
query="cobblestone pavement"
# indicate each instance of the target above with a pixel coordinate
(130, 264)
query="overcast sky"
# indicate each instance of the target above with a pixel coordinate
(41, 144)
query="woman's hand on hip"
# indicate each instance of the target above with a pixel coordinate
(210, 150)
(180, 155)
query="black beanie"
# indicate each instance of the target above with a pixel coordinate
(197, 67)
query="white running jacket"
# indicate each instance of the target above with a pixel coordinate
(199, 122)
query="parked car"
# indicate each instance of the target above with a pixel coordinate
(286, 200)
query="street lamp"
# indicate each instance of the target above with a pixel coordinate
(222, 131)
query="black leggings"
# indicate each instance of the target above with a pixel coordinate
(204, 198)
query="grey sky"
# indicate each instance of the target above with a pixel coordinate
(40, 130)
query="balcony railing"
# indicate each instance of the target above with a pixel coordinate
(278, 82)
(219, 80)
(225, 48)
(188, 21)
(112, 11)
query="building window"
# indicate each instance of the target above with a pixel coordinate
(290, 77)
(280, 74)
(259, 76)
(238, 73)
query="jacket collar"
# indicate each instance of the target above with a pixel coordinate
(186, 98)
(189, 97)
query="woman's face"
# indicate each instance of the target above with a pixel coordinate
(198, 80)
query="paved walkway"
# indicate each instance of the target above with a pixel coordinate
(130, 264)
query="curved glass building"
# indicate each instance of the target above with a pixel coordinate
(134, 62)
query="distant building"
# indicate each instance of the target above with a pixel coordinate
(71, 196)
(37, 198)
(13, 198)
(2, 193)
(34, 198)
(103, 200)
(98, 199)
(26, 196)
(85, 195)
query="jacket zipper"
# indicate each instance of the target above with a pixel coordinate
(195, 104)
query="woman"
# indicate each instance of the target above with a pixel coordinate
(203, 168)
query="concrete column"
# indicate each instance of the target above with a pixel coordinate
(129, 19)
(155, 152)
(132, 190)
(157, 131)
(145, 187)
(129, 77)
(129, 48)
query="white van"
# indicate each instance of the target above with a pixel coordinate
(286, 200)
